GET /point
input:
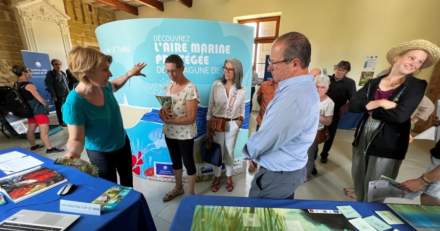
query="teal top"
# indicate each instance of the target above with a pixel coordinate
(103, 124)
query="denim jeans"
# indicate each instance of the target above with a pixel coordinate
(111, 162)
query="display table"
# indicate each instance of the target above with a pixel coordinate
(132, 213)
(185, 211)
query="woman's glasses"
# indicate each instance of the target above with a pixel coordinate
(225, 69)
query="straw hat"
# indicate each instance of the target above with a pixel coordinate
(430, 48)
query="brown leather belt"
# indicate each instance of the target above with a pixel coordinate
(227, 119)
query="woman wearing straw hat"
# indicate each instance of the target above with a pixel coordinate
(381, 138)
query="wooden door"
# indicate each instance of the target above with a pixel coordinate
(433, 93)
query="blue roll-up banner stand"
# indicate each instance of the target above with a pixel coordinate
(203, 46)
(267, 74)
(39, 64)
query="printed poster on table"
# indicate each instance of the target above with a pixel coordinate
(368, 69)
(209, 217)
(203, 46)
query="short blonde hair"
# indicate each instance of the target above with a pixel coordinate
(85, 59)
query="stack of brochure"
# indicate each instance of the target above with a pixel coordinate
(110, 198)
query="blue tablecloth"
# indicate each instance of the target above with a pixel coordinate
(349, 120)
(185, 211)
(131, 214)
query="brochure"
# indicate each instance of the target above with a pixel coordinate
(13, 162)
(79, 164)
(386, 187)
(166, 101)
(26, 184)
(110, 198)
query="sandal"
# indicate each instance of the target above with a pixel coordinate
(350, 194)
(229, 187)
(214, 186)
(172, 194)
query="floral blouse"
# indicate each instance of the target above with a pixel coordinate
(219, 102)
(181, 132)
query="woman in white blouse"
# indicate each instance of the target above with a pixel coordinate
(326, 108)
(180, 127)
(227, 101)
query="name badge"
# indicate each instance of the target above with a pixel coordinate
(80, 207)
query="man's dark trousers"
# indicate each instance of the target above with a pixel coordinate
(332, 128)
(58, 104)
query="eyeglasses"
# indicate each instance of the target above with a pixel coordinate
(271, 63)
(172, 71)
(225, 69)
(28, 71)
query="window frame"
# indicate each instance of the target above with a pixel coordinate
(258, 39)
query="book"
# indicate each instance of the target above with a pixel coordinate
(79, 164)
(110, 198)
(29, 183)
(166, 101)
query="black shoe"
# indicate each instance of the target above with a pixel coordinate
(314, 171)
(54, 151)
(37, 147)
(323, 159)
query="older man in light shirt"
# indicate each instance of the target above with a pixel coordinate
(290, 122)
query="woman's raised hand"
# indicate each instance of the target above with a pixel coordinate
(136, 70)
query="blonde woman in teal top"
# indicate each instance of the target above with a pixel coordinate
(93, 116)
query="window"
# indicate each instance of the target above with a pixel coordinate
(266, 31)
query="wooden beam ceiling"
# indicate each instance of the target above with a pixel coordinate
(153, 4)
(187, 3)
(120, 6)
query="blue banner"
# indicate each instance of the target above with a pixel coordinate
(267, 74)
(203, 46)
(39, 64)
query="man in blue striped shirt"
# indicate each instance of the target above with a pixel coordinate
(290, 122)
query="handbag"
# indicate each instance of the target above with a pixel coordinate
(322, 135)
(217, 124)
(212, 153)
(37, 107)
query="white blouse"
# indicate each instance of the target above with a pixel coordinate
(326, 108)
(219, 102)
(175, 131)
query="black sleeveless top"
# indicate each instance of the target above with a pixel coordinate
(27, 95)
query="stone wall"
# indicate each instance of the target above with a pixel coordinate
(10, 43)
(84, 18)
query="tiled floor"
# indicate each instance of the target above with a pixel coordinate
(327, 185)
